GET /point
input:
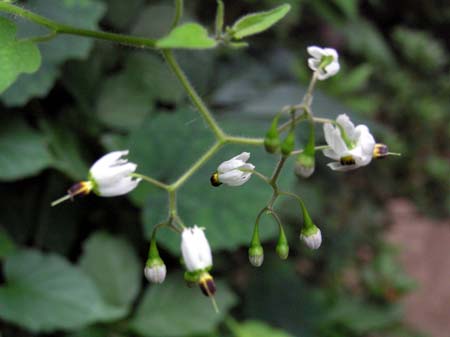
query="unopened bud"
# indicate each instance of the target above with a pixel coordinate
(282, 246)
(288, 144)
(311, 236)
(304, 165)
(155, 270)
(256, 255)
(272, 139)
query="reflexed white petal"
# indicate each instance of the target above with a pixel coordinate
(332, 69)
(244, 156)
(347, 125)
(113, 174)
(313, 64)
(331, 52)
(233, 163)
(234, 178)
(121, 187)
(328, 129)
(195, 249)
(365, 139)
(106, 161)
(337, 166)
(315, 52)
(338, 143)
(331, 154)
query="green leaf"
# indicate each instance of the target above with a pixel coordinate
(7, 246)
(227, 213)
(46, 293)
(187, 36)
(16, 56)
(256, 328)
(23, 151)
(258, 22)
(113, 265)
(172, 309)
(83, 14)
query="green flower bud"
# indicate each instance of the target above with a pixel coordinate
(282, 246)
(256, 255)
(304, 165)
(288, 144)
(272, 139)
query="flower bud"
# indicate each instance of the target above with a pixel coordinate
(272, 139)
(288, 144)
(304, 165)
(312, 237)
(155, 270)
(256, 255)
(282, 248)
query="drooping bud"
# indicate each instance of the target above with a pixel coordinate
(288, 144)
(310, 233)
(305, 163)
(155, 269)
(272, 139)
(256, 255)
(256, 251)
(312, 237)
(282, 245)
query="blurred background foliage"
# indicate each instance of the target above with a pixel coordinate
(76, 270)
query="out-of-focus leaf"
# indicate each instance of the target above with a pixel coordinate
(369, 42)
(174, 310)
(7, 246)
(23, 151)
(16, 56)
(349, 7)
(256, 328)
(420, 48)
(355, 79)
(154, 20)
(114, 267)
(120, 13)
(84, 14)
(255, 23)
(187, 36)
(46, 293)
(65, 150)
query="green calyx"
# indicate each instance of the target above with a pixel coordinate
(325, 61)
(94, 184)
(192, 276)
(154, 262)
(288, 144)
(282, 248)
(272, 139)
(309, 231)
(256, 251)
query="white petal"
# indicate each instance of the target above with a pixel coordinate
(234, 162)
(195, 249)
(234, 178)
(337, 166)
(107, 160)
(331, 52)
(331, 154)
(313, 241)
(315, 52)
(244, 156)
(313, 64)
(365, 139)
(121, 187)
(112, 175)
(332, 69)
(349, 128)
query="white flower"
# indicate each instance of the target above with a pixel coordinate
(312, 240)
(155, 273)
(352, 150)
(324, 61)
(232, 172)
(111, 175)
(195, 249)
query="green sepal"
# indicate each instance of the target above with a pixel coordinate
(153, 252)
(154, 262)
(307, 221)
(282, 248)
(272, 139)
(288, 144)
(309, 230)
(94, 184)
(325, 61)
(192, 276)
(256, 250)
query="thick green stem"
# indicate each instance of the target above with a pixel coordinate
(59, 28)
(195, 98)
(244, 140)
